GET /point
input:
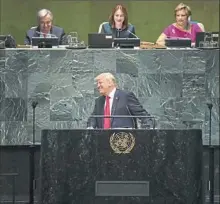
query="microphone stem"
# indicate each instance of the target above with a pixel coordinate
(34, 126)
(210, 126)
(118, 34)
(211, 159)
(32, 183)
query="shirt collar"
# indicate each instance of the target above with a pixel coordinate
(48, 35)
(112, 93)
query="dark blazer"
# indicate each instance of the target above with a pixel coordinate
(124, 103)
(57, 31)
(107, 28)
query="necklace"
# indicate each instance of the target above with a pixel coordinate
(186, 28)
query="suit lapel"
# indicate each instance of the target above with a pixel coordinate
(114, 104)
(51, 30)
(35, 33)
(101, 110)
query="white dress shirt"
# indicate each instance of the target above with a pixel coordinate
(111, 95)
(48, 35)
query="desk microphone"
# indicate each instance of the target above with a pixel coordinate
(46, 34)
(133, 34)
(118, 32)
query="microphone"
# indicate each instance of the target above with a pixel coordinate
(32, 181)
(133, 34)
(118, 32)
(34, 104)
(209, 105)
(50, 35)
(211, 157)
(134, 122)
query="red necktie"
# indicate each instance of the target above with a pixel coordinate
(107, 120)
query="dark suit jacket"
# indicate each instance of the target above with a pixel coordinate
(106, 28)
(124, 103)
(57, 31)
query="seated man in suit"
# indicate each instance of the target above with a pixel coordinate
(45, 28)
(118, 24)
(115, 102)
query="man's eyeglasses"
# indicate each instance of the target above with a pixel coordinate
(45, 23)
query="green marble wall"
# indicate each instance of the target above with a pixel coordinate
(149, 17)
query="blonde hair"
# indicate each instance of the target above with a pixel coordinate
(108, 76)
(184, 7)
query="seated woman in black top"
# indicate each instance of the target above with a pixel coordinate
(118, 24)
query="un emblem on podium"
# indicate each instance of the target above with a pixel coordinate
(122, 142)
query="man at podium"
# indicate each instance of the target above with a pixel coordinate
(115, 107)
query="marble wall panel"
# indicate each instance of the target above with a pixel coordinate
(173, 85)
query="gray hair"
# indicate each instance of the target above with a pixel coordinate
(44, 12)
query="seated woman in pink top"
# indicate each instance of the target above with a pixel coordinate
(183, 28)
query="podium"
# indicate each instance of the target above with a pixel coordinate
(121, 166)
